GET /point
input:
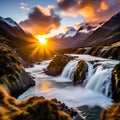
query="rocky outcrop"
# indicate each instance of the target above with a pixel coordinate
(116, 83)
(12, 74)
(112, 52)
(57, 64)
(34, 108)
(80, 51)
(95, 50)
(112, 113)
(80, 72)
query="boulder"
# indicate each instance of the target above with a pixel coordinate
(57, 65)
(112, 113)
(12, 74)
(116, 83)
(80, 72)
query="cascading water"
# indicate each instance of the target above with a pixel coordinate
(68, 71)
(89, 73)
(97, 79)
(100, 81)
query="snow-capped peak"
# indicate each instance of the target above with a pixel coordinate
(87, 27)
(9, 21)
(70, 33)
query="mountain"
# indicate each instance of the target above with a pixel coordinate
(107, 34)
(91, 34)
(14, 36)
(73, 37)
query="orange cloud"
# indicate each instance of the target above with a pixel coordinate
(91, 10)
(104, 5)
(86, 11)
(41, 21)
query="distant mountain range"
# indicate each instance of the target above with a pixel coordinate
(87, 35)
(90, 35)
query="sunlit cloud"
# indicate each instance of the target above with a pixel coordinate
(41, 20)
(24, 6)
(91, 10)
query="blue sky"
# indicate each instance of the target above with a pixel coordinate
(71, 12)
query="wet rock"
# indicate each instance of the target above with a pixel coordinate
(90, 113)
(12, 74)
(57, 65)
(116, 83)
(70, 111)
(80, 72)
(112, 113)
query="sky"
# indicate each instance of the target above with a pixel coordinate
(50, 17)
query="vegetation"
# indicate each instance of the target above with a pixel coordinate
(12, 74)
(112, 113)
(34, 108)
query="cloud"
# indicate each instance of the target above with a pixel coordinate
(91, 10)
(24, 6)
(41, 20)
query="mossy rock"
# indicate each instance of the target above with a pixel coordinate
(80, 51)
(95, 50)
(11, 72)
(112, 113)
(116, 83)
(57, 65)
(80, 72)
(113, 53)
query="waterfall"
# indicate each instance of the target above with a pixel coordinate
(89, 73)
(68, 71)
(100, 81)
(97, 79)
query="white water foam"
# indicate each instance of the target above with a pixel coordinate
(72, 96)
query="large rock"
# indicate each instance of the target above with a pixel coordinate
(34, 108)
(12, 74)
(112, 113)
(80, 72)
(116, 83)
(57, 64)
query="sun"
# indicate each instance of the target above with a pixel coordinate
(41, 39)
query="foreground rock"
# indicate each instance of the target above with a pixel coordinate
(116, 83)
(112, 113)
(34, 108)
(57, 64)
(12, 74)
(80, 72)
